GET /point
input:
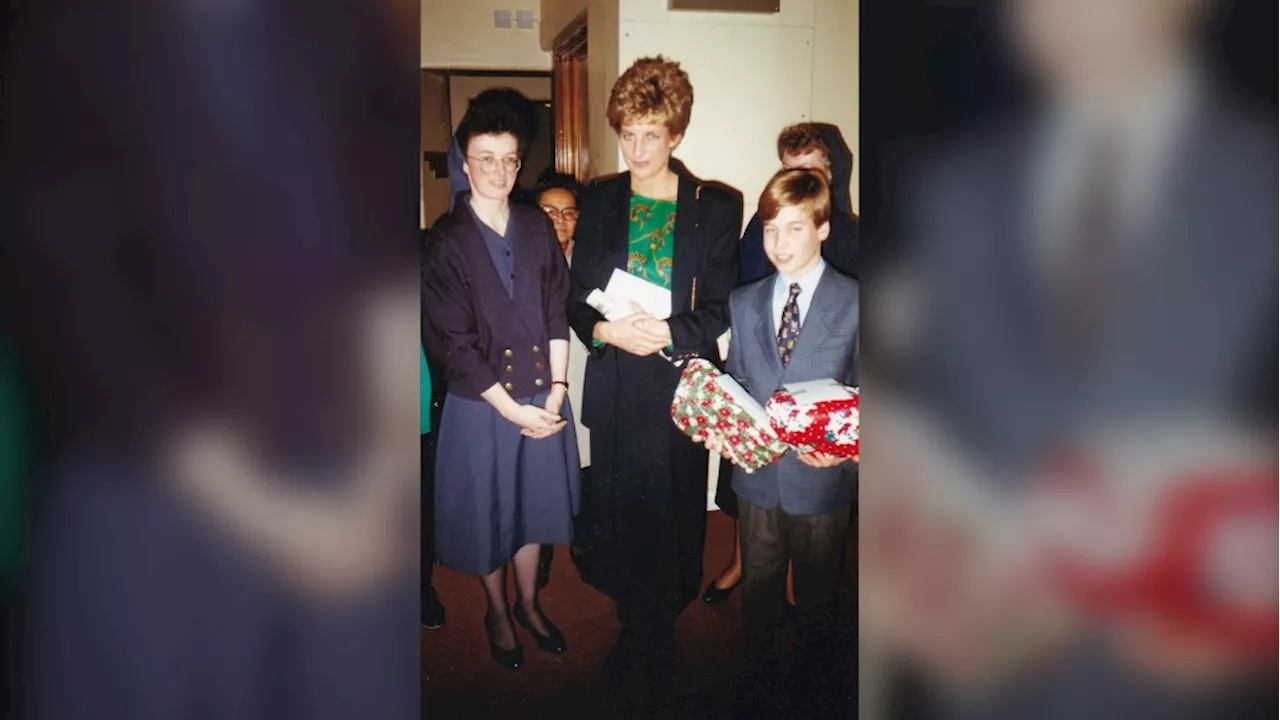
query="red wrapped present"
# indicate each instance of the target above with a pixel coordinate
(817, 416)
(708, 403)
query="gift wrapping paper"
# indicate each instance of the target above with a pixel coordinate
(702, 408)
(830, 427)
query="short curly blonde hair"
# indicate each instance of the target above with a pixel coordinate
(652, 88)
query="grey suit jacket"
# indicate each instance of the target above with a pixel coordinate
(827, 349)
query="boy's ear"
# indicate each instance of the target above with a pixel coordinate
(824, 231)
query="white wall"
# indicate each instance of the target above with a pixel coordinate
(835, 72)
(459, 35)
(752, 75)
(603, 35)
(556, 16)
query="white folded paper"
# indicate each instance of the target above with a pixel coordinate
(743, 399)
(614, 302)
(625, 288)
(816, 391)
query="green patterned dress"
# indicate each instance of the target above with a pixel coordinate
(653, 227)
(652, 248)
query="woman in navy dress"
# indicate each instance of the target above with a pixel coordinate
(494, 284)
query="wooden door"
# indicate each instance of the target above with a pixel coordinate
(437, 133)
(569, 79)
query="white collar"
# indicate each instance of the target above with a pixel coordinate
(807, 281)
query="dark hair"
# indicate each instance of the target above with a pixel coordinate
(802, 139)
(552, 180)
(491, 119)
(513, 100)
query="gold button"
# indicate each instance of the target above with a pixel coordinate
(537, 349)
(508, 352)
(509, 387)
(538, 365)
(538, 382)
(510, 369)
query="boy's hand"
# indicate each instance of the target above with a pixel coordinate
(820, 460)
(713, 444)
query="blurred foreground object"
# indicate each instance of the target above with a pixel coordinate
(1074, 512)
(209, 257)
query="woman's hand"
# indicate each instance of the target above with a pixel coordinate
(533, 420)
(555, 400)
(639, 333)
(819, 460)
(328, 547)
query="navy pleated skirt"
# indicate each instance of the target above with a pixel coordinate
(496, 490)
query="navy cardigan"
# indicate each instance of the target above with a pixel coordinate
(480, 335)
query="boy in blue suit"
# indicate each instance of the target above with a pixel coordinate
(798, 324)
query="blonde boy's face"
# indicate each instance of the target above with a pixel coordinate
(793, 242)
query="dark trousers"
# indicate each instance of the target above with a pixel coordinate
(648, 627)
(814, 544)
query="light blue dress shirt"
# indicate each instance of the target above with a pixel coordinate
(782, 290)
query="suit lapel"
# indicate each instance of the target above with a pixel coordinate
(489, 288)
(687, 254)
(766, 333)
(615, 229)
(526, 292)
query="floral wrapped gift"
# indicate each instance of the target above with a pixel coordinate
(820, 416)
(709, 403)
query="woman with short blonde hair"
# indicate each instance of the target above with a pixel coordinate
(640, 532)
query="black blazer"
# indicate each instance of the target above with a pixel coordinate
(469, 324)
(704, 272)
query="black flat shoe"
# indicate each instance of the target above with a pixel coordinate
(432, 611)
(553, 643)
(715, 595)
(511, 659)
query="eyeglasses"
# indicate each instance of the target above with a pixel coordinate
(489, 164)
(569, 214)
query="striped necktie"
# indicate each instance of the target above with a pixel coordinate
(789, 327)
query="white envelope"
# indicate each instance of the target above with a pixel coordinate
(743, 399)
(816, 391)
(625, 289)
(607, 306)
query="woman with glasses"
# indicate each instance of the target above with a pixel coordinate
(557, 195)
(558, 198)
(493, 291)
(645, 508)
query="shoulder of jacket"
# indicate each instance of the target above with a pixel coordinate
(845, 283)
(715, 193)
(741, 296)
(603, 187)
(443, 237)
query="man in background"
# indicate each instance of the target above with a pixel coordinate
(821, 147)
